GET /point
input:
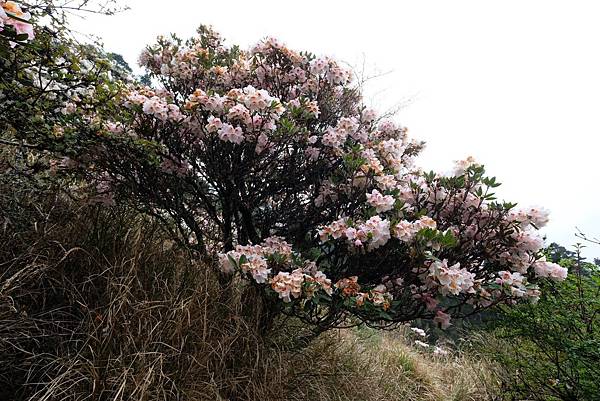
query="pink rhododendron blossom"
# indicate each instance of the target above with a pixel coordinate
(288, 285)
(461, 166)
(551, 270)
(3, 17)
(538, 216)
(254, 260)
(368, 115)
(377, 231)
(214, 124)
(443, 319)
(10, 9)
(257, 266)
(240, 113)
(404, 231)
(349, 286)
(452, 279)
(381, 203)
(387, 181)
(230, 134)
(69, 108)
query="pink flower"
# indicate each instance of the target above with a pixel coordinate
(215, 103)
(443, 319)
(334, 137)
(381, 203)
(3, 17)
(257, 99)
(425, 222)
(288, 285)
(350, 125)
(379, 229)
(239, 113)
(538, 216)
(551, 270)
(214, 124)
(257, 266)
(386, 181)
(387, 126)
(461, 166)
(319, 66)
(261, 143)
(312, 153)
(229, 134)
(277, 245)
(324, 282)
(337, 229)
(404, 231)
(313, 108)
(452, 279)
(156, 107)
(369, 115)
(9, 9)
(337, 75)
(69, 108)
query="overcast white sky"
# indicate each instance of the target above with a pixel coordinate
(516, 84)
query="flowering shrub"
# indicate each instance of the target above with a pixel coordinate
(267, 161)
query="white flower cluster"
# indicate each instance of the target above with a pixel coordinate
(289, 285)
(378, 296)
(330, 71)
(154, 106)
(375, 232)
(452, 279)
(381, 203)
(405, 230)
(253, 260)
(551, 270)
(536, 216)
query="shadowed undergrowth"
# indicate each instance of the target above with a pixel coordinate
(95, 304)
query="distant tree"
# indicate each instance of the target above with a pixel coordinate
(556, 252)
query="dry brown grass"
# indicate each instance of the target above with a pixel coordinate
(368, 365)
(96, 305)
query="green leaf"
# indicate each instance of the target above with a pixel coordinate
(232, 261)
(21, 37)
(13, 16)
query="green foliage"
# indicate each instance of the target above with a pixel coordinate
(551, 350)
(50, 87)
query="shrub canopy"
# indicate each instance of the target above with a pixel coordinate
(267, 163)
